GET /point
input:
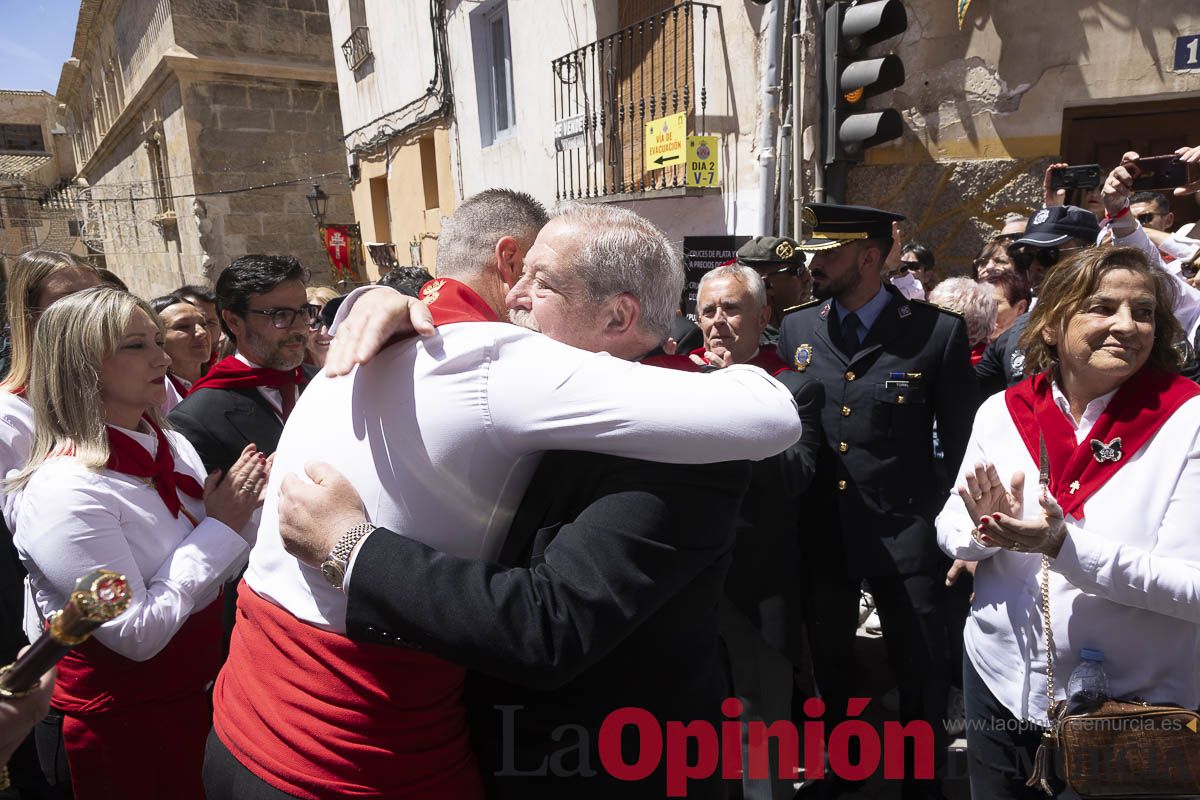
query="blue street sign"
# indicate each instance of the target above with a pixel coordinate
(1187, 52)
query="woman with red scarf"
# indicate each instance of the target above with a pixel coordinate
(1107, 536)
(186, 342)
(107, 487)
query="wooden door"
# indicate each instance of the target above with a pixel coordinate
(1102, 134)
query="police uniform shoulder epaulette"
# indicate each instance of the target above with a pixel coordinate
(790, 309)
(943, 309)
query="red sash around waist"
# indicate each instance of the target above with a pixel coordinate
(317, 715)
(93, 679)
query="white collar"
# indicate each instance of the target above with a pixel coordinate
(1090, 414)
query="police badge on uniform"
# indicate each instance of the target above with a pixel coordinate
(803, 357)
(1017, 362)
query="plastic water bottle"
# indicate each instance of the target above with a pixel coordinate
(1088, 683)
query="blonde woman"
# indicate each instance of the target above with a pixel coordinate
(107, 487)
(35, 280)
(319, 337)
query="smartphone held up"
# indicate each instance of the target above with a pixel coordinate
(1162, 172)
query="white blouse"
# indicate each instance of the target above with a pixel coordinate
(1127, 581)
(71, 520)
(16, 440)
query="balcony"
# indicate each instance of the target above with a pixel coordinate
(606, 92)
(357, 49)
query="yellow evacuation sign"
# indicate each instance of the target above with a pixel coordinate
(666, 141)
(703, 165)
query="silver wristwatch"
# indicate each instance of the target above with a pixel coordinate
(334, 566)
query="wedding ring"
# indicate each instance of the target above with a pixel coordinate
(247, 487)
(976, 497)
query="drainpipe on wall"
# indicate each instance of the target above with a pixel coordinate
(818, 145)
(798, 73)
(785, 164)
(768, 123)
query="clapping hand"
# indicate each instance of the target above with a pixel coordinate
(985, 494)
(1044, 535)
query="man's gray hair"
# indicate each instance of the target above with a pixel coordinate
(746, 276)
(467, 243)
(975, 301)
(619, 252)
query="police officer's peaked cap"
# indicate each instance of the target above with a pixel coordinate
(763, 250)
(826, 226)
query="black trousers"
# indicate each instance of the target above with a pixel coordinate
(1000, 748)
(226, 779)
(912, 612)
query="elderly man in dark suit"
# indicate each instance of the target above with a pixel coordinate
(890, 368)
(605, 594)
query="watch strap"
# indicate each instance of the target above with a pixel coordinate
(345, 545)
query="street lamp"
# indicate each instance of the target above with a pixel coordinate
(317, 201)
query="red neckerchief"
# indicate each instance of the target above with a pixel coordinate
(231, 373)
(1134, 415)
(767, 359)
(977, 352)
(178, 383)
(681, 363)
(129, 457)
(450, 301)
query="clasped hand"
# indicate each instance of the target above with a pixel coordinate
(996, 512)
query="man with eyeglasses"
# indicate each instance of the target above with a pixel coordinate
(246, 397)
(780, 263)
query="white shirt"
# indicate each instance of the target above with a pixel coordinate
(271, 393)
(71, 520)
(1127, 581)
(441, 435)
(173, 397)
(16, 440)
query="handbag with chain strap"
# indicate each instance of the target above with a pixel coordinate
(1123, 748)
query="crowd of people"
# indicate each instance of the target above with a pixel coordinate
(432, 538)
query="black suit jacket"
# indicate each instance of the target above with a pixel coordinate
(605, 596)
(1003, 363)
(875, 479)
(221, 422)
(768, 525)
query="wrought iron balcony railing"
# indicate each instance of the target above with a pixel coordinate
(606, 92)
(357, 49)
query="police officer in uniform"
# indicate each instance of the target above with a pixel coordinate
(890, 367)
(780, 263)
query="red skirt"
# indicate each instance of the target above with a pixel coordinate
(137, 728)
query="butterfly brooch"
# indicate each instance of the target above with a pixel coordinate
(1107, 452)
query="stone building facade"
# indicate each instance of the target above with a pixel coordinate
(36, 160)
(1022, 84)
(198, 127)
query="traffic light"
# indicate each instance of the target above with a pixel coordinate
(851, 28)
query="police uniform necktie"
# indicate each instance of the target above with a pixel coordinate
(850, 333)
